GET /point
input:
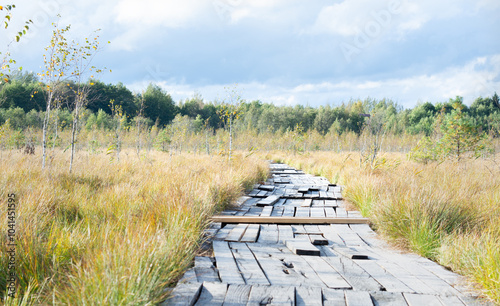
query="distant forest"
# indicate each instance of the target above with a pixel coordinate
(22, 101)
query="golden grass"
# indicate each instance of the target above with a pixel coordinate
(112, 232)
(448, 212)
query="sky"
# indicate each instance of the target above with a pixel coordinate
(285, 52)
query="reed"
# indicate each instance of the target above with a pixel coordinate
(113, 232)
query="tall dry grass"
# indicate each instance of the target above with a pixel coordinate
(449, 212)
(112, 233)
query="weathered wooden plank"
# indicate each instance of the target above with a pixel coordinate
(277, 211)
(330, 234)
(332, 297)
(438, 270)
(327, 273)
(358, 298)
(266, 212)
(350, 253)
(387, 280)
(362, 229)
(312, 229)
(302, 247)
(270, 200)
(315, 194)
(184, 294)
(342, 228)
(330, 195)
(314, 187)
(188, 277)
(298, 229)
(331, 203)
(354, 214)
(341, 212)
(236, 233)
(421, 299)
(307, 276)
(348, 235)
(223, 232)
(253, 212)
(237, 295)
(280, 202)
(330, 212)
(352, 239)
(384, 298)
(303, 189)
(250, 269)
(226, 265)
(407, 278)
(268, 233)
(212, 294)
(285, 233)
(302, 212)
(266, 187)
(307, 203)
(274, 267)
(413, 267)
(275, 295)
(288, 211)
(317, 212)
(262, 194)
(358, 278)
(318, 203)
(308, 296)
(251, 234)
(294, 202)
(205, 270)
(318, 240)
(253, 193)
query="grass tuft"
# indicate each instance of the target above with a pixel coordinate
(113, 233)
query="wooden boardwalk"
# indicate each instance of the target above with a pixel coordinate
(288, 263)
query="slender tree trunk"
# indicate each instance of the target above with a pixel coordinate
(73, 137)
(45, 127)
(56, 129)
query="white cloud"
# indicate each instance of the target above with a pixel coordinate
(479, 77)
(351, 17)
(166, 13)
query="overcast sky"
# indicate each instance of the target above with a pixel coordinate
(283, 51)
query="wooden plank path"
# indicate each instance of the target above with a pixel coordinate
(291, 241)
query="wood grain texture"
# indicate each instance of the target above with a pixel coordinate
(184, 294)
(237, 295)
(212, 294)
(305, 296)
(302, 247)
(226, 265)
(274, 295)
(248, 265)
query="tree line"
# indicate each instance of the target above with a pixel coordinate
(23, 101)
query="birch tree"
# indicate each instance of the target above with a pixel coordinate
(80, 61)
(56, 66)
